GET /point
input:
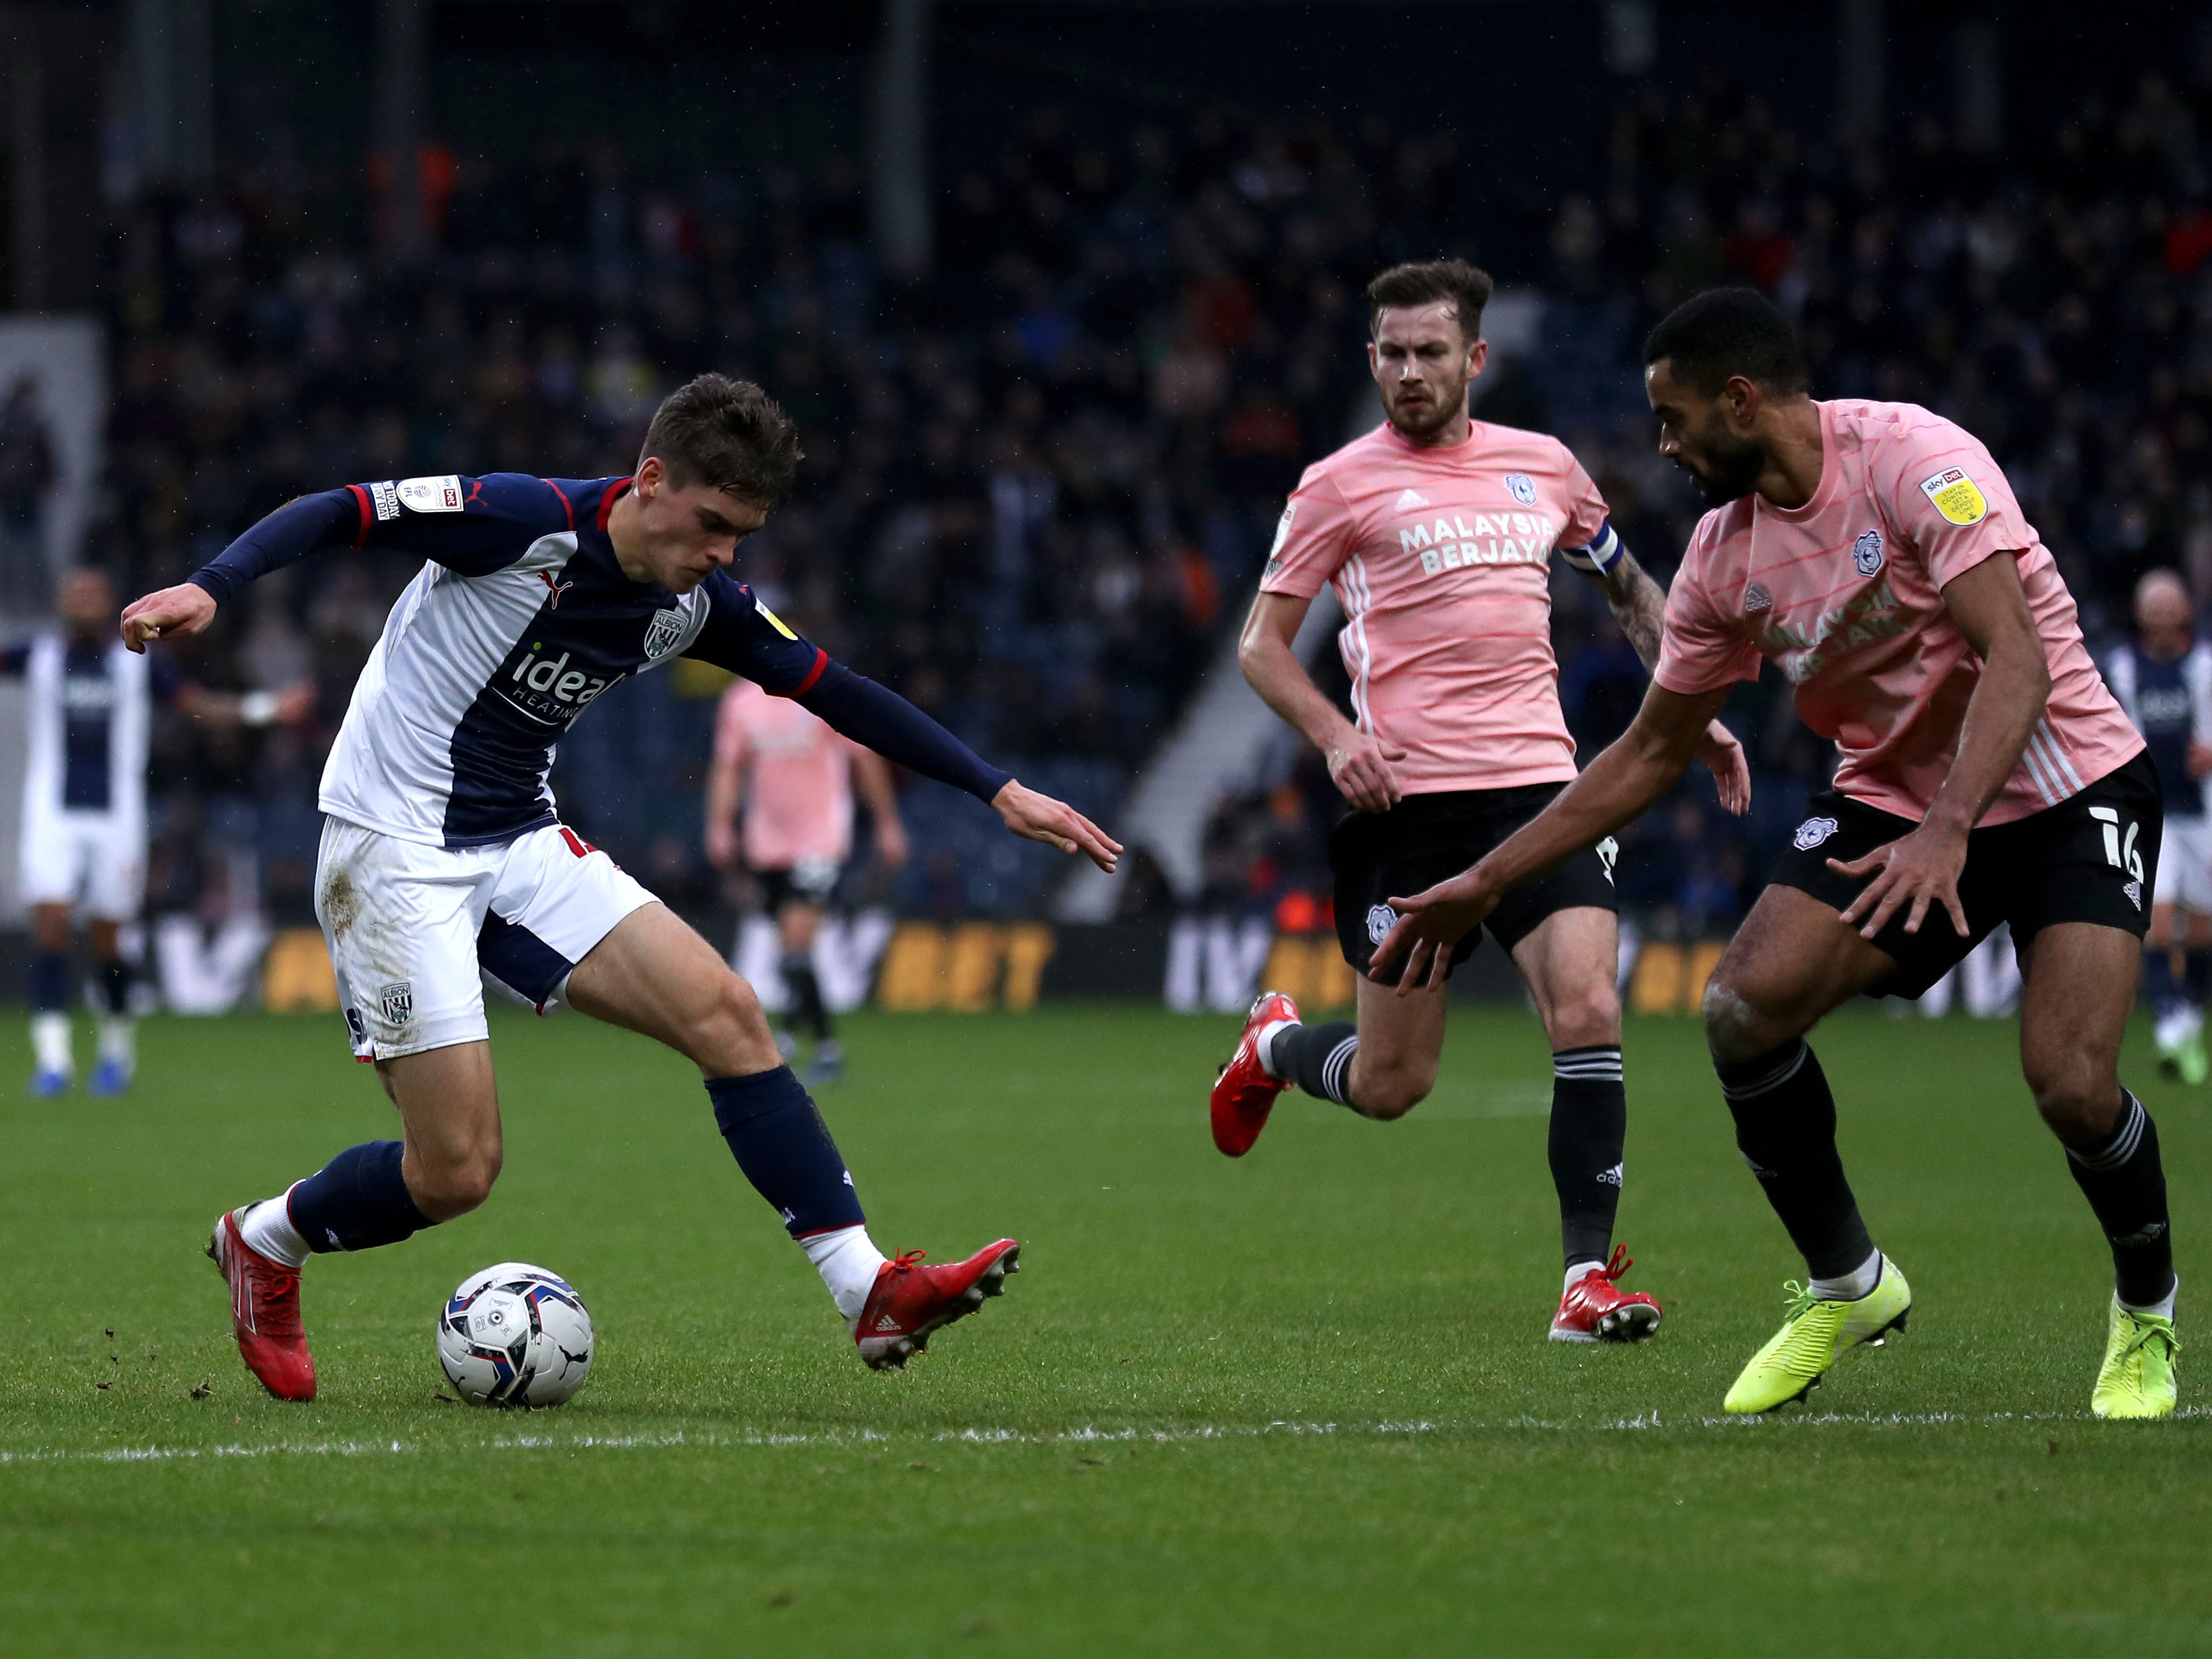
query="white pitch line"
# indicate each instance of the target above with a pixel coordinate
(1084, 1435)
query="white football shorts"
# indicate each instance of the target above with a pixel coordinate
(413, 930)
(93, 861)
(2185, 865)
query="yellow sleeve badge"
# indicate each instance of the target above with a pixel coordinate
(777, 623)
(1955, 496)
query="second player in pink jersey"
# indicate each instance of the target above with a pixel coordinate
(1438, 533)
(1875, 554)
(795, 776)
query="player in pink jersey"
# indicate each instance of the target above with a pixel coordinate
(1875, 553)
(1437, 532)
(796, 777)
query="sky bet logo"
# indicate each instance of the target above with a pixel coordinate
(546, 689)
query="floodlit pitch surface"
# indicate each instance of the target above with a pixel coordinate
(1301, 1403)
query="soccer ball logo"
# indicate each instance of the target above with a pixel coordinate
(515, 1335)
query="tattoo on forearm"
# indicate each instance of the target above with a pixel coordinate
(1640, 607)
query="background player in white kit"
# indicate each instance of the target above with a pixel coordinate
(795, 777)
(84, 837)
(2163, 679)
(443, 858)
(1437, 532)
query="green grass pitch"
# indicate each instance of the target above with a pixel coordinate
(1298, 1404)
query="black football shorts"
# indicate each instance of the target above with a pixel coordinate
(2091, 858)
(1425, 838)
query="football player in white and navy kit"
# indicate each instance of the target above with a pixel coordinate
(443, 852)
(2163, 678)
(82, 847)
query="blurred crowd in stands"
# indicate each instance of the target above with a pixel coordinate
(1040, 479)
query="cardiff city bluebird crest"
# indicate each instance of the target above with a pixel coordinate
(1866, 553)
(1523, 488)
(1380, 921)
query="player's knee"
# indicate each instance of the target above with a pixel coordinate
(728, 1021)
(455, 1183)
(1733, 1027)
(2079, 1099)
(1588, 1019)
(1392, 1091)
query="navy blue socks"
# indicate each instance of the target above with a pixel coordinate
(785, 1150)
(356, 1201)
(50, 986)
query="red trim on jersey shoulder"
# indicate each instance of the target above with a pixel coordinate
(607, 501)
(565, 508)
(821, 662)
(361, 501)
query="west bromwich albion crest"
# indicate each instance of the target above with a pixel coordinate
(667, 628)
(1866, 553)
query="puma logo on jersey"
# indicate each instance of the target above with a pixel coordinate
(557, 589)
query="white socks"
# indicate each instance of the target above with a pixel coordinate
(1852, 1286)
(267, 1228)
(848, 1260)
(119, 1040)
(2163, 1309)
(50, 1043)
(1264, 1045)
(1581, 1270)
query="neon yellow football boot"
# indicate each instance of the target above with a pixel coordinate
(2136, 1379)
(1814, 1336)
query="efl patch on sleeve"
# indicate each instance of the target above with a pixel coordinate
(1955, 496)
(431, 494)
(774, 621)
(1283, 529)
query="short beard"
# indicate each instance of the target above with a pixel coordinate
(1730, 474)
(1439, 416)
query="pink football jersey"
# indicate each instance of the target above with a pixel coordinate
(1845, 594)
(798, 779)
(1441, 558)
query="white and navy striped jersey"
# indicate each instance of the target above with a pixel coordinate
(521, 620)
(89, 717)
(2170, 703)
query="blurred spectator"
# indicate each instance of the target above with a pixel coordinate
(27, 477)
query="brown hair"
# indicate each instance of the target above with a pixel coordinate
(729, 434)
(1425, 282)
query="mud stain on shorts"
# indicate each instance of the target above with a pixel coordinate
(341, 904)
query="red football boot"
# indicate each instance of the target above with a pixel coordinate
(265, 1312)
(1245, 1094)
(1595, 1310)
(910, 1301)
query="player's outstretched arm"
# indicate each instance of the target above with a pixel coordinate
(1639, 605)
(1358, 762)
(1625, 779)
(1921, 869)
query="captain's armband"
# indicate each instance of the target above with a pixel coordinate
(1603, 555)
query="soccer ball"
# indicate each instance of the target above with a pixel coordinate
(515, 1335)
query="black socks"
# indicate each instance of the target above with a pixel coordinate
(1590, 1121)
(1785, 1127)
(1318, 1058)
(2126, 1185)
(808, 1010)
